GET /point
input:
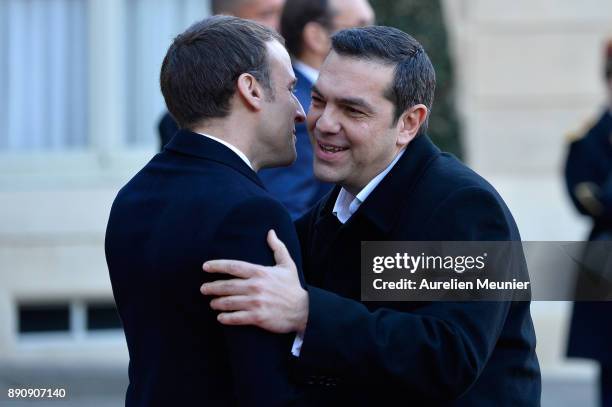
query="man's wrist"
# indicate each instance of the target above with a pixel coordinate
(302, 319)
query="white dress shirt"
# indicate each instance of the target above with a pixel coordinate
(346, 205)
(235, 149)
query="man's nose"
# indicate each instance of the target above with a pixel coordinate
(326, 123)
(300, 116)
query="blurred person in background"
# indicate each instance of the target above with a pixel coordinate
(307, 26)
(588, 174)
(266, 12)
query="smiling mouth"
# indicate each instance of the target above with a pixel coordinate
(331, 149)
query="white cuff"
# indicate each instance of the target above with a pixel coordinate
(297, 345)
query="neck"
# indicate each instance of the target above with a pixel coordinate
(311, 59)
(234, 132)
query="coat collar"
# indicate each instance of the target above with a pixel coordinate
(385, 203)
(195, 145)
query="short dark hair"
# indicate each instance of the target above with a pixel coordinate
(199, 73)
(414, 78)
(298, 13)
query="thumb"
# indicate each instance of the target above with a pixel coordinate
(281, 254)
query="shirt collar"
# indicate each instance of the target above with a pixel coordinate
(309, 72)
(347, 203)
(231, 147)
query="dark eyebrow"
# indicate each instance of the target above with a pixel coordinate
(348, 101)
(316, 90)
(356, 102)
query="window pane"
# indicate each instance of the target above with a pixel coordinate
(150, 28)
(44, 318)
(102, 316)
(43, 75)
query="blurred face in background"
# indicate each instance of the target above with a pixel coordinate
(343, 14)
(266, 12)
(350, 13)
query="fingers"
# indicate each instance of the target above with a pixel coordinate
(238, 318)
(236, 268)
(234, 303)
(225, 287)
(281, 254)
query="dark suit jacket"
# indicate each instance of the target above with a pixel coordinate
(296, 186)
(195, 201)
(423, 354)
(167, 128)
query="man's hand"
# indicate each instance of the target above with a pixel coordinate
(268, 297)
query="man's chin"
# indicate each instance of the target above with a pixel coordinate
(283, 161)
(324, 174)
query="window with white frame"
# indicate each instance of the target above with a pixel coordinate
(82, 75)
(150, 30)
(71, 319)
(43, 75)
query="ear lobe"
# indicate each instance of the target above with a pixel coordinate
(410, 122)
(250, 91)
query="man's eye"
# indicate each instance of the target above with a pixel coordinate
(353, 111)
(317, 100)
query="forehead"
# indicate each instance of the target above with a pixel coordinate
(343, 76)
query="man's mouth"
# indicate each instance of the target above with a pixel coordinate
(329, 148)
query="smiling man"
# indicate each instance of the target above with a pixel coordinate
(353, 125)
(307, 26)
(368, 124)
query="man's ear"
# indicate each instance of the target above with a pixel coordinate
(316, 38)
(410, 122)
(250, 91)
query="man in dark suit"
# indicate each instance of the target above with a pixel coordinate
(588, 176)
(266, 12)
(367, 124)
(307, 26)
(199, 199)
